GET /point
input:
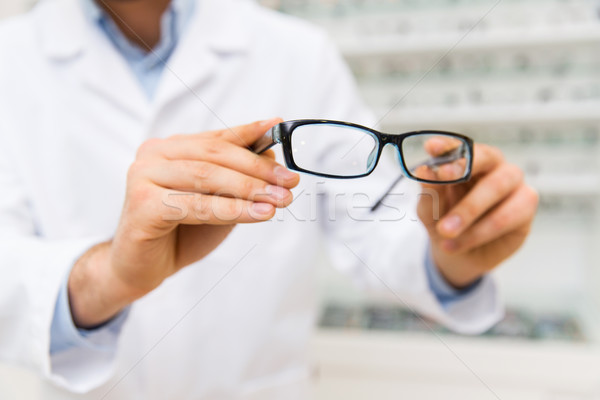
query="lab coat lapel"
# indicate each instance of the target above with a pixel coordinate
(67, 36)
(217, 29)
(106, 72)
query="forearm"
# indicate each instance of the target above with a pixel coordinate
(96, 294)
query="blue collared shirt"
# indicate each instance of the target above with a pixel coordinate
(148, 67)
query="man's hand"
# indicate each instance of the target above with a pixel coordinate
(184, 196)
(484, 221)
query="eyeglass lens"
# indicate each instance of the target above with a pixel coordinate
(346, 151)
(436, 157)
(334, 149)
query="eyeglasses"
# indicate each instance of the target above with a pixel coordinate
(335, 149)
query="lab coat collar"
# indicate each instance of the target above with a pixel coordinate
(217, 28)
(224, 24)
(220, 23)
(60, 28)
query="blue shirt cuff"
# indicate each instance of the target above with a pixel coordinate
(64, 335)
(445, 293)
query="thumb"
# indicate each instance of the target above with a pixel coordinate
(245, 135)
(431, 206)
(438, 145)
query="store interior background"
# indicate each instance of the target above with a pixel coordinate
(523, 75)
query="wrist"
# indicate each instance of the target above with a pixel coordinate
(459, 281)
(457, 275)
(96, 294)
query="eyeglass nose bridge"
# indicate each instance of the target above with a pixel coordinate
(395, 141)
(384, 139)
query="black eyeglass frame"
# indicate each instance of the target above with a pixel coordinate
(282, 134)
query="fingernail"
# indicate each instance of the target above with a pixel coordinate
(277, 192)
(284, 173)
(262, 208)
(453, 171)
(450, 245)
(452, 223)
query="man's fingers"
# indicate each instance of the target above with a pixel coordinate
(197, 209)
(441, 144)
(485, 159)
(269, 154)
(448, 172)
(432, 205)
(246, 135)
(452, 171)
(488, 192)
(493, 253)
(241, 136)
(208, 178)
(510, 216)
(230, 156)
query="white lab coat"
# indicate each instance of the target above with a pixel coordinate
(71, 118)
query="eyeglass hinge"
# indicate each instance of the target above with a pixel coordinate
(276, 134)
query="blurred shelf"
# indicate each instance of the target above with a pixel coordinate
(516, 324)
(571, 185)
(584, 112)
(532, 76)
(345, 9)
(443, 42)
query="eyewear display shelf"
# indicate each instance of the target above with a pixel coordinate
(521, 75)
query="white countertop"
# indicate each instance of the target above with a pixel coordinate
(353, 365)
(370, 365)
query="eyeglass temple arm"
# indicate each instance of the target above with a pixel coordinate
(445, 158)
(270, 139)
